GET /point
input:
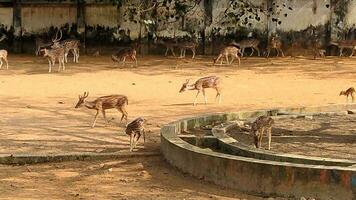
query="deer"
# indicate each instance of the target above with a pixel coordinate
(349, 92)
(275, 43)
(226, 52)
(134, 129)
(104, 103)
(183, 46)
(169, 45)
(345, 44)
(201, 84)
(3, 57)
(69, 45)
(249, 43)
(121, 55)
(261, 125)
(41, 43)
(53, 55)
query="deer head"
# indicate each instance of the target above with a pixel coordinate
(184, 86)
(342, 93)
(56, 39)
(81, 99)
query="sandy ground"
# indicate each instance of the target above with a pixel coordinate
(38, 114)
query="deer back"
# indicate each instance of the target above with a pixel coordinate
(3, 53)
(249, 43)
(111, 101)
(135, 126)
(208, 82)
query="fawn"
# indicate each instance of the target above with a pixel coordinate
(347, 93)
(134, 129)
(258, 127)
(3, 57)
(275, 43)
(200, 85)
(249, 43)
(226, 52)
(53, 55)
(103, 103)
(121, 55)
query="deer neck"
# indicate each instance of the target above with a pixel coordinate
(191, 87)
(89, 104)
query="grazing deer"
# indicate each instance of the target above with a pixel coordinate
(3, 56)
(349, 92)
(103, 103)
(345, 44)
(226, 52)
(134, 129)
(258, 128)
(275, 44)
(53, 55)
(200, 85)
(249, 43)
(168, 44)
(121, 55)
(183, 46)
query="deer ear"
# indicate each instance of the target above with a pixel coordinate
(187, 81)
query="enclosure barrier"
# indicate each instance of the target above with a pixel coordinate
(289, 176)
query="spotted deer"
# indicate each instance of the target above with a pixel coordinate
(275, 43)
(201, 84)
(183, 46)
(249, 43)
(345, 44)
(259, 127)
(134, 129)
(103, 103)
(69, 45)
(121, 55)
(168, 44)
(226, 52)
(53, 55)
(41, 43)
(349, 92)
(3, 57)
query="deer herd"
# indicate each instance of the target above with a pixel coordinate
(57, 50)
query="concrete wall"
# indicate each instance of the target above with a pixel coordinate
(38, 18)
(103, 15)
(351, 15)
(6, 16)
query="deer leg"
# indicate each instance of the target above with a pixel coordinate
(218, 94)
(104, 115)
(258, 52)
(124, 114)
(193, 51)
(205, 98)
(269, 138)
(1, 63)
(165, 54)
(242, 52)
(268, 52)
(196, 97)
(227, 59)
(138, 137)
(353, 50)
(131, 141)
(49, 65)
(261, 136)
(144, 136)
(252, 51)
(238, 58)
(172, 51)
(341, 50)
(7, 63)
(95, 118)
(282, 52)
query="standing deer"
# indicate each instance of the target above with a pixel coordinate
(349, 92)
(169, 45)
(275, 43)
(134, 129)
(103, 103)
(249, 43)
(200, 85)
(183, 46)
(53, 55)
(121, 55)
(41, 43)
(3, 57)
(226, 52)
(258, 128)
(69, 45)
(345, 44)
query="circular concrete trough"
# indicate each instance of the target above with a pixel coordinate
(222, 160)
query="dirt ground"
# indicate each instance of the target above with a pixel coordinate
(38, 115)
(322, 136)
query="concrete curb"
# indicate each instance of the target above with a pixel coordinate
(21, 159)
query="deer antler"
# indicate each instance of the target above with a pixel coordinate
(56, 38)
(86, 94)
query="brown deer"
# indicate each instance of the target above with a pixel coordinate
(69, 45)
(134, 129)
(103, 103)
(226, 52)
(41, 43)
(258, 128)
(3, 57)
(53, 55)
(200, 85)
(345, 44)
(275, 43)
(349, 92)
(183, 46)
(249, 43)
(121, 55)
(168, 44)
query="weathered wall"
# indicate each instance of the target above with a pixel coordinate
(38, 18)
(6, 16)
(351, 15)
(103, 15)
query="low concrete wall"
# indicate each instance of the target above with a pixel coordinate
(256, 176)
